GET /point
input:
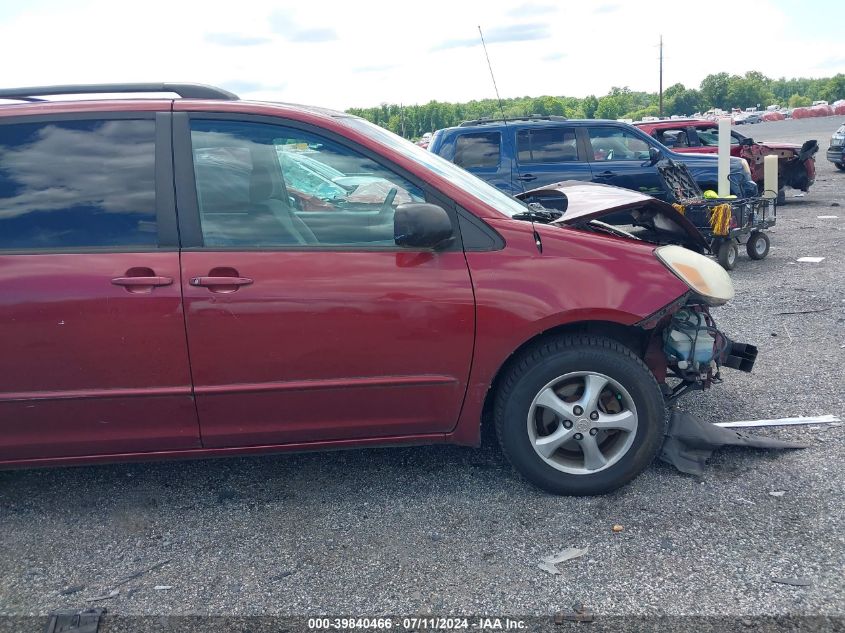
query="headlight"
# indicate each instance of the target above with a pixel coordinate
(704, 276)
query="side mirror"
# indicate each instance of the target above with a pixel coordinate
(421, 225)
(654, 155)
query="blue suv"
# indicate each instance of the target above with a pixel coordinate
(516, 155)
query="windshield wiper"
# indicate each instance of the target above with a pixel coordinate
(538, 213)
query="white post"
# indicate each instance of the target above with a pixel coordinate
(770, 176)
(724, 157)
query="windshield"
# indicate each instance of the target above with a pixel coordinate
(486, 193)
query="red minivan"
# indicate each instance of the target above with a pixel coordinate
(203, 276)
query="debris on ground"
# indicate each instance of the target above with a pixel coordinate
(579, 613)
(795, 582)
(107, 596)
(71, 590)
(690, 442)
(548, 563)
(163, 587)
(75, 621)
(617, 528)
(828, 217)
(810, 260)
(817, 419)
(777, 493)
(140, 573)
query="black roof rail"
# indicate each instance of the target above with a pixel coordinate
(530, 117)
(186, 91)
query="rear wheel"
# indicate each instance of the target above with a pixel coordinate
(840, 166)
(757, 245)
(727, 254)
(580, 415)
(781, 199)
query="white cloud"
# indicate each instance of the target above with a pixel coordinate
(339, 54)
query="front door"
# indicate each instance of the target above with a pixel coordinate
(305, 322)
(621, 158)
(94, 358)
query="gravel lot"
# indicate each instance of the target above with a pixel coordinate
(453, 530)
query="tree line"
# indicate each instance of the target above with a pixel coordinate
(720, 90)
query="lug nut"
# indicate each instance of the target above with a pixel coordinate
(594, 415)
(593, 431)
(578, 436)
(567, 424)
(577, 410)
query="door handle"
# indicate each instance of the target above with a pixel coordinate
(142, 281)
(527, 177)
(606, 174)
(220, 284)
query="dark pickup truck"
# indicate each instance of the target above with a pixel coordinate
(516, 155)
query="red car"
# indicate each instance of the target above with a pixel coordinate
(796, 163)
(162, 296)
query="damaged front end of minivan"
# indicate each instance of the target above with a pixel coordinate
(684, 348)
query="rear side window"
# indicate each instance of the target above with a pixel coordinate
(478, 150)
(77, 184)
(547, 145)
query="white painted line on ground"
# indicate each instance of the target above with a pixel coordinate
(827, 217)
(811, 260)
(821, 419)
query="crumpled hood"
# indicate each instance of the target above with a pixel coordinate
(585, 201)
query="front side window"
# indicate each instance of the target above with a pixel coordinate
(261, 185)
(616, 144)
(77, 184)
(478, 150)
(547, 145)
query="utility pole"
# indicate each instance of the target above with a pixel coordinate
(661, 76)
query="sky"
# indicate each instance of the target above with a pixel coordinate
(362, 54)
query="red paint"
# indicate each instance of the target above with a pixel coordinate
(86, 366)
(301, 349)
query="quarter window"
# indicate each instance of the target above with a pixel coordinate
(77, 184)
(547, 145)
(261, 185)
(478, 150)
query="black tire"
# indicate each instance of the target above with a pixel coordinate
(728, 254)
(840, 166)
(542, 364)
(757, 245)
(781, 199)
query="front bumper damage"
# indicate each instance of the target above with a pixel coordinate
(686, 348)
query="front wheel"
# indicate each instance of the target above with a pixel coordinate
(757, 245)
(580, 415)
(727, 254)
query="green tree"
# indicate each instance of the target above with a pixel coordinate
(590, 105)
(834, 88)
(714, 91)
(799, 101)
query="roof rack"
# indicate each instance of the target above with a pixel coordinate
(530, 117)
(186, 91)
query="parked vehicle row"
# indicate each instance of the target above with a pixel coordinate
(796, 163)
(202, 276)
(519, 154)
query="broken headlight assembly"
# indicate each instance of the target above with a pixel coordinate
(705, 277)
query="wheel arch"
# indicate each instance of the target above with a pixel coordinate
(631, 336)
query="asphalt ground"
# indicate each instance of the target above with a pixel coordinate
(449, 530)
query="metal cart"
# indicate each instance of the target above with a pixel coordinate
(725, 222)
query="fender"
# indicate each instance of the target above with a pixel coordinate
(575, 271)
